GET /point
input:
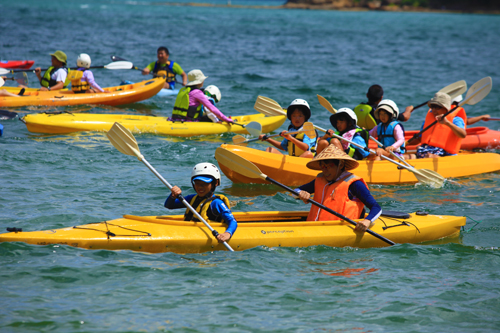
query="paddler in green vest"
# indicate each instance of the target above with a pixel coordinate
(54, 77)
(165, 68)
(191, 98)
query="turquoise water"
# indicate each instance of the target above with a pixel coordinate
(54, 181)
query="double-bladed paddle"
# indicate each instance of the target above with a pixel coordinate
(307, 128)
(453, 90)
(125, 143)
(20, 78)
(476, 93)
(111, 65)
(250, 170)
(268, 106)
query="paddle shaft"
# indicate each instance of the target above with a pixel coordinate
(271, 136)
(492, 119)
(331, 211)
(164, 181)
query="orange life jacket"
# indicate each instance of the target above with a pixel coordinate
(335, 196)
(441, 135)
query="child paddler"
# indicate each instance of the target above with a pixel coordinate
(445, 137)
(338, 189)
(205, 177)
(390, 132)
(165, 68)
(191, 98)
(299, 144)
(54, 77)
(82, 79)
(345, 121)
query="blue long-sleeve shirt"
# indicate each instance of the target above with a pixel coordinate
(217, 206)
(358, 190)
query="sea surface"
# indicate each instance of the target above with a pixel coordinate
(56, 181)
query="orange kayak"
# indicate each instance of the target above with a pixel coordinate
(292, 171)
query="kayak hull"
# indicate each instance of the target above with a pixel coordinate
(69, 123)
(477, 137)
(118, 95)
(271, 229)
(292, 171)
(17, 64)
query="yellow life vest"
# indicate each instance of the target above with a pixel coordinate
(202, 206)
(77, 85)
(47, 80)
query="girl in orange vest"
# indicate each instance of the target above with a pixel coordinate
(445, 137)
(336, 188)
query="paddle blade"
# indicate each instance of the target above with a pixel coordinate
(327, 105)
(478, 91)
(238, 139)
(429, 177)
(124, 141)
(308, 129)
(120, 65)
(254, 128)
(268, 106)
(115, 58)
(238, 164)
(455, 89)
(21, 78)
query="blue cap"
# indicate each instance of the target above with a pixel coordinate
(203, 179)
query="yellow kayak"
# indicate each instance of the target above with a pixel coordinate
(69, 123)
(118, 95)
(272, 229)
(292, 171)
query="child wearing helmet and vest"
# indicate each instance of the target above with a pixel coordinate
(165, 68)
(390, 132)
(82, 80)
(338, 189)
(214, 96)
(345, 121)
(205, 177)
(191, 98)
(445, 137)
(299, 144)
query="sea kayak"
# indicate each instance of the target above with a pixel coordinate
(292, 171)
(69, 123)
(477, 137)
(117, 95)
(272, 229)
(16, 64)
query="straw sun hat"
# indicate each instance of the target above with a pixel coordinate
(333, 153)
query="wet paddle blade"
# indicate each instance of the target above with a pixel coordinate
(455, 89)
(308, 129)
(124, 141)
(268, 107)
(254, 128)
(239, 139)
(429, 177)
(120, 65)
(238, 164)
(327, 105)
(478, 91)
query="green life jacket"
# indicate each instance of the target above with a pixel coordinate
(365, 119)
(202, 206)
(182, 110)
(47, 81)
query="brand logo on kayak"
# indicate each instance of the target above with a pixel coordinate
(276, 231)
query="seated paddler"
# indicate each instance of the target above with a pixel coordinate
(191, 98)
(205, 177)
(338, 189)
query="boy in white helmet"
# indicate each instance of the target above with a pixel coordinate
(345, 122)
(205, 177)
(299, 144)
(390, 132)
(82, 80)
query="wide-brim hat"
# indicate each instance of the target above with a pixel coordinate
(441, 99)
(195, 77)
(333, 153)
(60, 55)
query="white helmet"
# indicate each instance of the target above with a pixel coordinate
(389, 106)
(206, 172)
(83, 60)
(214, 93)
(302, 104)
(343, 111)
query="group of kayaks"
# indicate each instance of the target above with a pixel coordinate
(266, 228)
